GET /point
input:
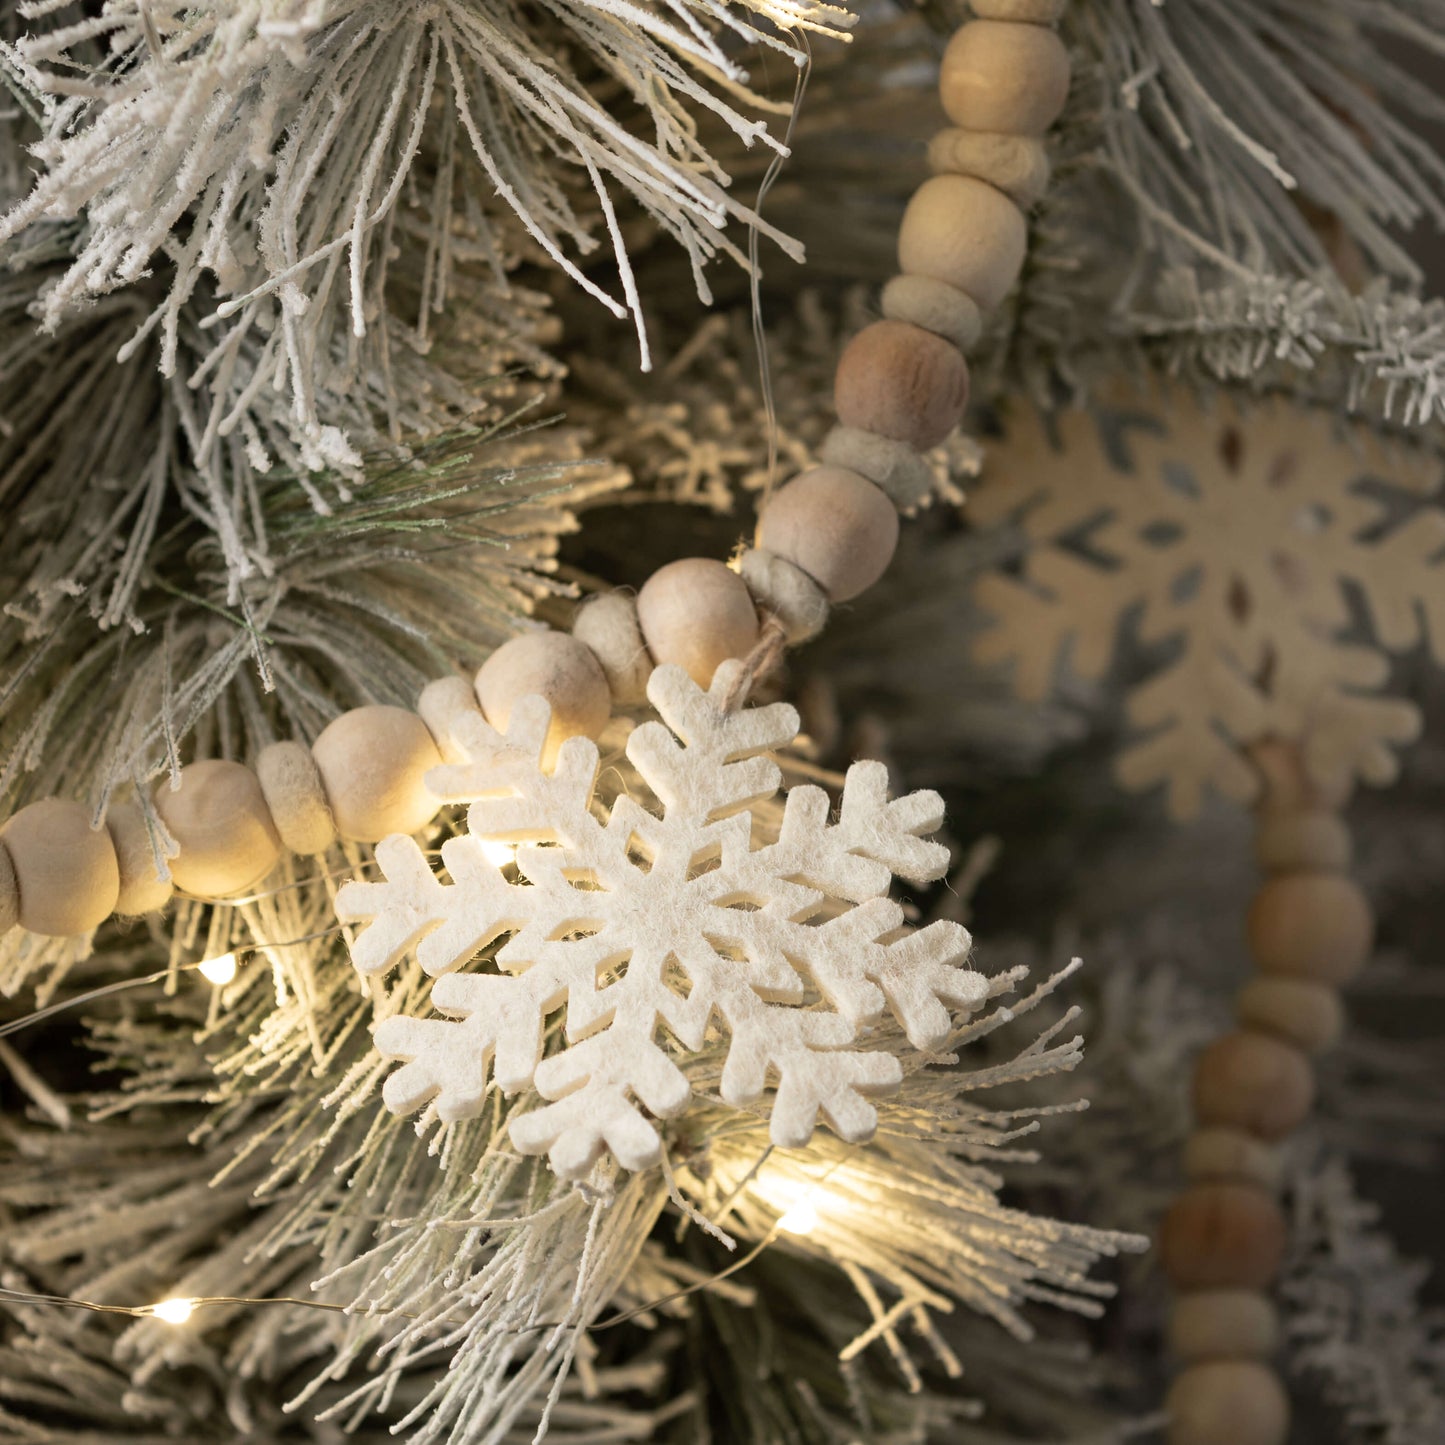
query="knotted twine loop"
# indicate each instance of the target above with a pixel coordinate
(767, 653)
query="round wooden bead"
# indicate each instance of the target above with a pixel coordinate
(784, 591)
(9, 893)
(1237, 1401)
(550, 665)
(1220, 1152)
(442, 704)
(608, 625)
(1308, 842)
(142, 889)
(373, 763)
(697, 613)
(219, 819)
(902, 382)
(296, 797)
(1222, 1236)
(1018, 165)
(1002, 77)
(964, 232)
(1309, 1015)
(1254, 1082)
(1026, 12)
(1311, 925)
(1223, 1324)
(935, 306)
(837, 526)
(65, 871)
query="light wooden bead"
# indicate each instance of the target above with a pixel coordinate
(1018, 165)
(9, 893)
(902, 382)
(697, 613)
(219, 818)
(1223, 1324)
(1254, 1082)
(895, 468)
(142, 889)
(784, 591)
(1227, 1402)
(442, 704)
(1310, 842)
(1220, 1152)
(837, 526)
(65, 871)
(1025, 12)
(609, 626)
(964, 232)
(294, 793)
(373, 763)
(1222, 1236)
(1309, 1015)
(1315, 926)
(935, 306)
(997, 76)
(554, 666)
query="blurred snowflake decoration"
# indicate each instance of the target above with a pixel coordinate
(1274, 556)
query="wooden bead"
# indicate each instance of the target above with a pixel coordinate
(1222, 1236)
(554, 666)
(1025, 12)
(142, 889)
(697, 613)
(1223, 1324)
(901, 382)
(65, 871)
(1308, 1015)
(373, 763)
(1253, 1082)
(442, 704)
(935, 306)
(784, 591)
(1237, 1402)
(296, 797)
(1018, 165)
(1309, 842)
(9, 893)
(837, 526)
(1220, 1152)
(964, 232)
(219, 819)
(1002, 77)
(608, 625)
(1315, 926)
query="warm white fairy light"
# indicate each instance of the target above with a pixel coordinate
(498, 853)
(802, 1218)
(220, 970)
(173, 1311)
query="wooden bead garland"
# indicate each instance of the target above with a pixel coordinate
(1005, 78)
(551, 665)
(441, 703)
(697, 613)
(1310, 929)
(291, 784)
(963, 231)
(1018, 165)
(784, 593)
(608, 625)
(935, 306)
(903, 382)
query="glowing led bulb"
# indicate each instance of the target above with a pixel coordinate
(173, 1311)
(802, 1218)
(219, 970)
(498, 853)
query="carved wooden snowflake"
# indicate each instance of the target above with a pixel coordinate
(652, 928)
(1277, 556)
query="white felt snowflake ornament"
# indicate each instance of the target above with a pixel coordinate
(653, 928)
(1277, 554)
